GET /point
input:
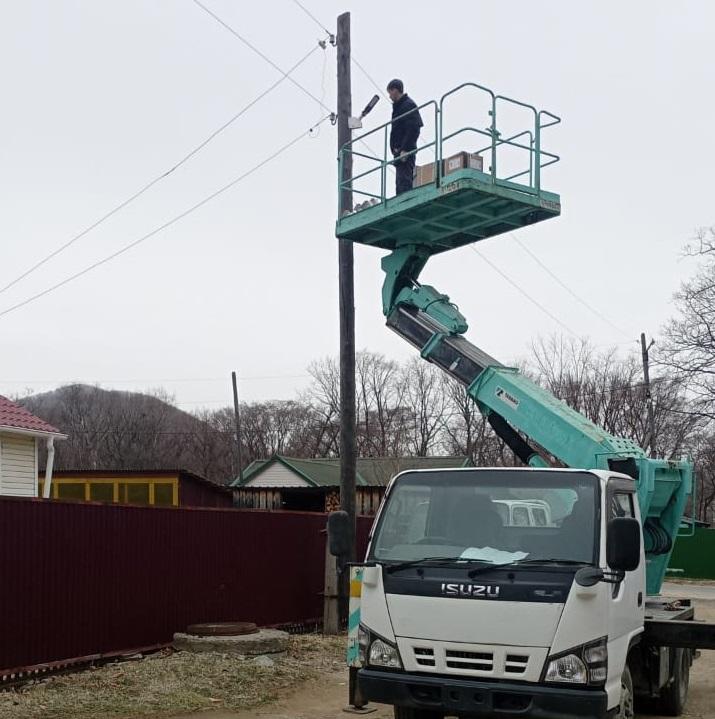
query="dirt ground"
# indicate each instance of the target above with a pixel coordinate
(308, 684)
(325, 698)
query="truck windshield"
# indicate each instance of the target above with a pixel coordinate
(495, 516)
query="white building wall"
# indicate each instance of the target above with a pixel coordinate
(18, 466)
(277, 475)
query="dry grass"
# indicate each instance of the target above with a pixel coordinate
(169, 683)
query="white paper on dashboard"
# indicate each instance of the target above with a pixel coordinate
(489, 554)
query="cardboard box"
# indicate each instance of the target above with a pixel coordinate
(463, 161)
(424, 174)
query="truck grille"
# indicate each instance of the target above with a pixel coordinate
(424, 656)
(477, 660)
(471, 661)
(516, 663)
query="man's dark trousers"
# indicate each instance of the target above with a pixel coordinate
(405, 169)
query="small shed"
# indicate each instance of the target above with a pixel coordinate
(153, 487)
(20, 432)
(313, 485)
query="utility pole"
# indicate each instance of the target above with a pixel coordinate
(348, 429)
(649, 397)
(348, 453)
(237, 415)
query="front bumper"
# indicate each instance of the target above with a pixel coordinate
(446, 694)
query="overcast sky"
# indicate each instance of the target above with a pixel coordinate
(100, 97)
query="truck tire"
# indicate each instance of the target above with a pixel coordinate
(626, 704)
(673, 697)
(409, 713)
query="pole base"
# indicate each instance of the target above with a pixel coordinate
(367, 709)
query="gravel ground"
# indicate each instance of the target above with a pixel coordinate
(309, 682)
(169, 683)
(324, 699)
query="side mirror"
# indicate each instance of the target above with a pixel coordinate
(623, 544)
(339, 534)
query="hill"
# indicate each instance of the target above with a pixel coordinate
(110, 429)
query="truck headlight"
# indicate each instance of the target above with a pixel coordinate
(569, 669)
(587, 664)
(384, 654)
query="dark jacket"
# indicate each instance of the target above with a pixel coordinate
(405, 128)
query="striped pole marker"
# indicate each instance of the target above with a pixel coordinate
(353, 655)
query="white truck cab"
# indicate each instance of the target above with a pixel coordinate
(465, 614)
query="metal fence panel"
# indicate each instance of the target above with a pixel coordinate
(80, 579)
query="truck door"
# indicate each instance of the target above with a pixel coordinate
(627, 600)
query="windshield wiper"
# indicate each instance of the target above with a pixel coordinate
(526, 560)
(424, 560)
(555, 560)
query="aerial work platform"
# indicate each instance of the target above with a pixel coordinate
(461, 198)
(458, 207)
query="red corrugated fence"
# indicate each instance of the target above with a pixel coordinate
(82, 579)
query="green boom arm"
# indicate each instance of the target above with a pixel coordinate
(516, 407)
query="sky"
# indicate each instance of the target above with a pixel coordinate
(102, 97)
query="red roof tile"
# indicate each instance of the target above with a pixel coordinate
(12, 415)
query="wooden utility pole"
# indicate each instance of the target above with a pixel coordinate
(650, 436)
(237, 416)
(348, 429)
(348, 453)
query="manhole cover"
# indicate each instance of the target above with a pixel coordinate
(222, 629)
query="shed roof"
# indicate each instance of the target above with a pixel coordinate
(13, 416)
(371, 471)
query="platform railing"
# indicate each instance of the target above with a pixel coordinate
(384, 162)
(528, 141)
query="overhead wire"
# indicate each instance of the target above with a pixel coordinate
(516, 239)
(301, 87)
(369, 77)
(136, 195)
(568, 289)
(322, 89)
(163, 226)
(354, 60)
(260, 53)
(522, 291)
(312, 17)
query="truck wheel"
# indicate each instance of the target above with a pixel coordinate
(674, 696)
(626, 703)
(409, 713)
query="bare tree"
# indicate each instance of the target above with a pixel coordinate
(379, 405)
(689, 338)
(466, 431)
(609, 391)
(425, 405)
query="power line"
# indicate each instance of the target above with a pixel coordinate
(158, 178)
(322, 87)
(357, 64)
(352, 58)
(521, 290)
(369, 77)
(164, 226)
(573, 294)
(261, 54)
(312, 17)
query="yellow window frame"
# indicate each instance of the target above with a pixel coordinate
(115, 482)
